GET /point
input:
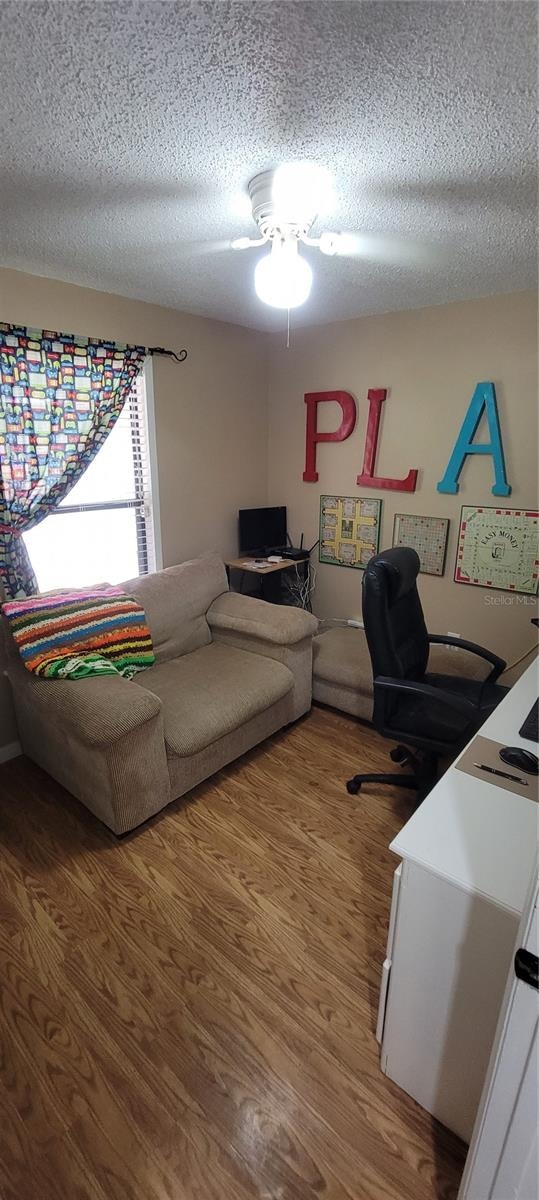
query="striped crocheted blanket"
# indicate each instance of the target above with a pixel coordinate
(72, 634)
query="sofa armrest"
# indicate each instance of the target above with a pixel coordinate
(98, 711)
(279, 624)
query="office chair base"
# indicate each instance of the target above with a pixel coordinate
(353, 786)
(422, 778)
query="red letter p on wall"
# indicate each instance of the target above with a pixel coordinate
(312, 436)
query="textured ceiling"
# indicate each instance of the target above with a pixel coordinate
(132, 129)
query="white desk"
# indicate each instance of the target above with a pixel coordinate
(467, 855)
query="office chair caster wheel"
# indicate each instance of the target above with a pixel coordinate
(399, 755)
(352, 787)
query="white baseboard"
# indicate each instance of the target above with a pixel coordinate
(10, 751)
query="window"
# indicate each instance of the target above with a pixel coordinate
(103, 531)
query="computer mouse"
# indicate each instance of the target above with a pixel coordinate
(524, 760)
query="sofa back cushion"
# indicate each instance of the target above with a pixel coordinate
(176, 601)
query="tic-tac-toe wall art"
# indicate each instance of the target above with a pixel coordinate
(349, 530)
(426, 535)
(498, 548)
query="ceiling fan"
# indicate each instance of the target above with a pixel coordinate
(285, 203)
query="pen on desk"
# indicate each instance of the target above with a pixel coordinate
(503, 774)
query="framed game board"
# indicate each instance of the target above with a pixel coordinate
(498, 548)
(349, 530)
(426, 535)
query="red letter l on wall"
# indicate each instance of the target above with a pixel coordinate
(312, 436)
(376, 397)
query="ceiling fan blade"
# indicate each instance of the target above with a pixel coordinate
(176, 248)
(385, 248)
(201, 247)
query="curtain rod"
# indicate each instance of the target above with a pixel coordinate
(178, 357)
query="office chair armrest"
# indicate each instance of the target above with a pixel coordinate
(460, 704)
(498, 664)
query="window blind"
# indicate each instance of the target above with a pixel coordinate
(136, 414)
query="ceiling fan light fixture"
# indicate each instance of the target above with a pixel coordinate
(285, 205)
(283, 278)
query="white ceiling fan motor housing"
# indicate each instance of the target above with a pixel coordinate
(279, 215)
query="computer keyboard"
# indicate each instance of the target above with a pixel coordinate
(530, 728)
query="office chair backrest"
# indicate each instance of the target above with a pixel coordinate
(392, 615)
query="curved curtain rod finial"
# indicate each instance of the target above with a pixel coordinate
(178, 357)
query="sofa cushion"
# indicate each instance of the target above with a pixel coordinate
(212, 691)
(176, 601)
(341, 656)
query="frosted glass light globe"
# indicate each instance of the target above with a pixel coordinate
(282, 278)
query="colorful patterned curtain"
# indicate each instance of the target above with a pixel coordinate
(60, 396)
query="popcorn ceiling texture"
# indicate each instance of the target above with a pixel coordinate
(132, 129)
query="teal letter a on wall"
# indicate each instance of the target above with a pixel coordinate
(483, 400)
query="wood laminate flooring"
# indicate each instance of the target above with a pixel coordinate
(188, 1013)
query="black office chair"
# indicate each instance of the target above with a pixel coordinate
(436, 714)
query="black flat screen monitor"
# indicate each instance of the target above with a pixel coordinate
(262, 529)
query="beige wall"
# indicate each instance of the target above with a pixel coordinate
(429, 360)
(210, 412)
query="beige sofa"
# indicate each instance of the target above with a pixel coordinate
(230, 670)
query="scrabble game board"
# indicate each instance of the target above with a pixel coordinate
(426, 535)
